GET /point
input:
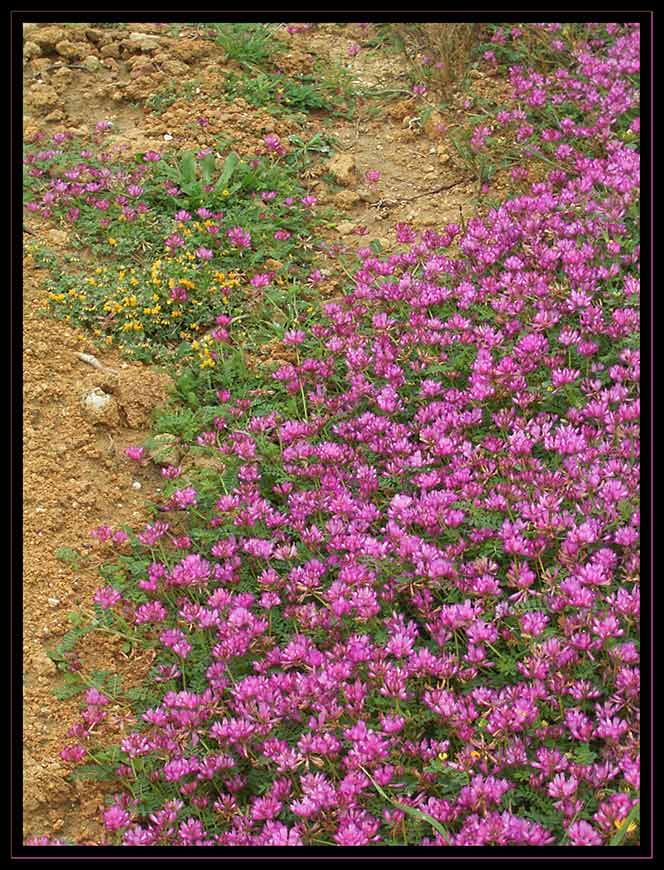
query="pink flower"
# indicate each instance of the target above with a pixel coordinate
(74, 753)
(116, 818)
(239, 238)
(582, 833)
(106, 597)
(136, 454)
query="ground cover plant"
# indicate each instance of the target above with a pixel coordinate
(401, 605)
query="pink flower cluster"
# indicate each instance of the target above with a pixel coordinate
(429, 579)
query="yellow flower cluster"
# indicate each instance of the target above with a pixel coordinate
(205, 358)
(132, 326)
(154, 273)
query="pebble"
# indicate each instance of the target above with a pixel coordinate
(54, 602)
(136, 484)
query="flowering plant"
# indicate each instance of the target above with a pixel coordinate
(407, 609)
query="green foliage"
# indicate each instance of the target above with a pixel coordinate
(170, 93)
(285, 96)
(250, 45)
(69, 556)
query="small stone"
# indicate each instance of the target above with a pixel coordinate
(91, 63)
(55, 117)
(47, 37)
(136, 484)
(43, 96)
(142, 41)
(43, 665)
(345, 228)
(54, 602)
(58, 237)
(62, 75)
(30, 50)
(346, 198)
(110, 50)
(100, 407)
(66, 49)
(342, 167)
(175, 68)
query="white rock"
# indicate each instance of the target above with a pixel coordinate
(100, 407)
(136, 484)
(96, 400)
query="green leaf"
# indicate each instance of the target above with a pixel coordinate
(230, 165)
(188, 169)
(72, 685)
(207, 168)
(92, 772)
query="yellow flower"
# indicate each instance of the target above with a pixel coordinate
(112, 242)
(442, 756)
